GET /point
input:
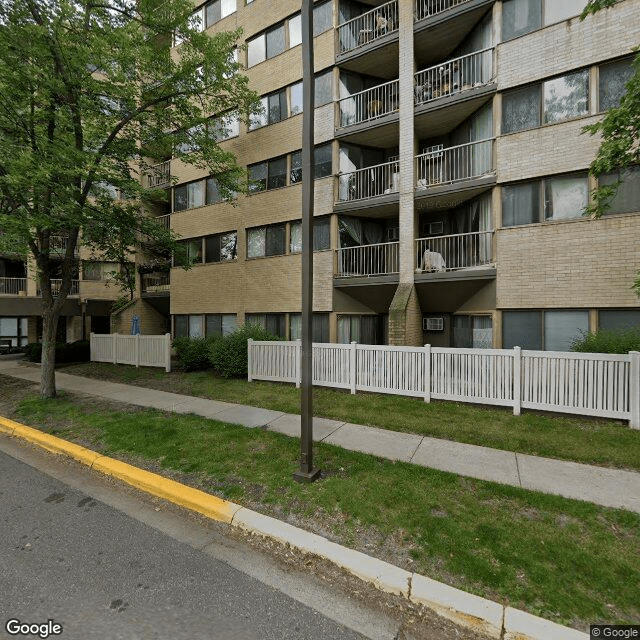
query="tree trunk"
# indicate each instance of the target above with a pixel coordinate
(48, 360)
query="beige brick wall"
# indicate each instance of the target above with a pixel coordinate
(570, 44)
(547, 150)
(152, 323)
(580, 263)
(97, 290)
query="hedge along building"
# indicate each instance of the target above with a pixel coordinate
(451, 177)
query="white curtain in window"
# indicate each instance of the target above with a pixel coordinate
(195, 194)
(229, 323)
(295, 326)
(227, 7)
(481, 129)
(295, 244)
(256, 242)
(557, 10)
(344, 329)
(482, 332)
(561, 328)
(566, 197)
(196, 326)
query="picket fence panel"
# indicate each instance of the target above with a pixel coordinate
(604, 385)
(137, 350)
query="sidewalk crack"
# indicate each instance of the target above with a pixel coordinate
(416, 449)
(515, 455)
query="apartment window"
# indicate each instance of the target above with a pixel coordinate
(224, 126)
(188, 140)
(219, 9)
(266, 241)
(322, 168)
(319, 327)
(256, 50)
(296, 98)
(99, 270)
(553, 198)
(627, 198)
(220, 324)
(189, 196)
(275, 41)
(618, 318)
(323, 88)
(213, 191)
(543, 330)
(295, 30)
(277, 106)
(194, 250)
(189, 326)
(273, 323)
(221, 247)
(552, 101)
(472, 332)
(295, 175)
(16, 330)
(322, 18)
(524, 16)
(613, 78)
(361, 329)
(271, 174)
(321, 235)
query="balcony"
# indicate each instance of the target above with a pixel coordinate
(164, 221)
(155, 283)
(58, 245)
(463, 167)
(159, 175)
(429, 8)
(454, 252)
(370, 183)
(368, 260)
(55, 288)
(12, 286)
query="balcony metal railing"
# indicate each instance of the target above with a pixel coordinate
(155, 282)
(164, 221)
(58, 245)
(370, 182)
(369, 104)
(55, 288)
(454, 76)
(448, 253)
(453, 164)
(427, 8)
(12, 286)
(368, 27)
(368, 260)
(159, 175)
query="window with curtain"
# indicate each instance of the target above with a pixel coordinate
(321, 235)
(256, 50)
(266, 241)
(627, 198)
(322, 18)
(275, 41)
(520, 204)
(322, 158)
(612, 84)
(323, 88)
(194, 249)
(319, 327)
(562, 328)
(221, 324)
(277, 106)
(521, 109)
(295, 175)
(99, 270)
(221, 247)
(618, 318)
(213, 191)
(522, 329)
(295, 30)
(565, 197)
(361, 329)
(219, 9)
(273, 323)
(549, 330)
(260, 119)
(566, 97)
(189, 196)
(520, 17)
(555, 11)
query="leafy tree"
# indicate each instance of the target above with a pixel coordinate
(92, 95)
(620, 131)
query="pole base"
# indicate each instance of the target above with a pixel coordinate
(306, 476)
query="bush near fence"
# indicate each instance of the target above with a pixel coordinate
(594, 384)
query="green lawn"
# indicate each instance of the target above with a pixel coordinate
(585, 440)
(572, 562)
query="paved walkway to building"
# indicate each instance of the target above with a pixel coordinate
(607, 487)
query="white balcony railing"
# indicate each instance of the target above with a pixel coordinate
(55, 288)
(368, 27)
(448, 253)
(370, 182)
(155, 282)
(368, 260)
(453, 164)
(369, 104)
(454, 76)
(164, 221)
(12, 286)
(159, 175)
(428, 8)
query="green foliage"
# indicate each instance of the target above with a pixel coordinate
(609, 341)
(229, 354)
(78, 351)
(193, 353)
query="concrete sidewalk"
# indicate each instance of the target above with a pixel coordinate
(607, 487)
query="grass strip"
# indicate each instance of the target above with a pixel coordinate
(568, 561)
(585, 440)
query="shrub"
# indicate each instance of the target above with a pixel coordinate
(229, 354)
(609, 341)
(78, 351)
(193, 353)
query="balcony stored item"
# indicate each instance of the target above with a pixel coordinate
(369, 104)
(368, 27)
(453, 252)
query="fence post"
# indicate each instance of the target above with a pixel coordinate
(298, 363)
(91, 347)
(517, 388)
(137, 350)
(427, 373)
(249, 359)
(352, 367)
(167, 351)
(634, 389)
(114, 348)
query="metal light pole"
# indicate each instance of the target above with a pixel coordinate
(307, 473)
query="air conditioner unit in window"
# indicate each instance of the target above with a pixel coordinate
(436, 228)
(393, 234)
(433, 323)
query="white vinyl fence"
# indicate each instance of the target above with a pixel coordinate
(139, 350)
(592, 384)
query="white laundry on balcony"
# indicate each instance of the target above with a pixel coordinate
(432, 261)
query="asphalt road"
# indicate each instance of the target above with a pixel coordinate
(106, 563)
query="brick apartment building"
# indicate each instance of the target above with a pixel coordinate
(451, 177)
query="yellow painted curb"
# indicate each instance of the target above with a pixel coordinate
(194, 499)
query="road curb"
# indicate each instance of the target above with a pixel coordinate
(468, 610)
